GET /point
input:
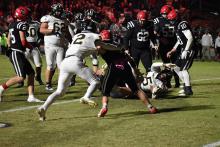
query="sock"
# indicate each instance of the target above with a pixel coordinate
(50, 100)
(104, 105)
(91, 89)
(31, 96)
(179, 73)
(186, 77)
(4, 86)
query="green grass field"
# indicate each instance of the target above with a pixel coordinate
(182, 122)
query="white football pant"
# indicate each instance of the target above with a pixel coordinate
(69, 66)
(34, 56)
(54, 56)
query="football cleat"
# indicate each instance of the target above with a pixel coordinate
(42, 114)
(88, 101)
(49, 88)
(34, 100)
(103, 112)
(153, 110)
(181, 91)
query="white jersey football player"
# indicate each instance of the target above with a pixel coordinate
(33, 37)
(155, 81)
(54, 28)
(83, 44)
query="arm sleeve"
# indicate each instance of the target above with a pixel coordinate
(177, 44)
(107, 46)
(189, 37)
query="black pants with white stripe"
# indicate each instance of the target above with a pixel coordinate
(21, 65)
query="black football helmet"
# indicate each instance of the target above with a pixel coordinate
(89, 13)
(57, 10)
(78, 16)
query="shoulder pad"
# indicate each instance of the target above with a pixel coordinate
(130, 24)
(45, 18)
(23, 26)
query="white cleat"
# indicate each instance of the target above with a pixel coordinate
(42, 114)
(34, 100)
(181, 91)
(88, 101)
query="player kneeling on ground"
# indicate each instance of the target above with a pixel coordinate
(156, 79)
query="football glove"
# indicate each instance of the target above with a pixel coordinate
(184, 54)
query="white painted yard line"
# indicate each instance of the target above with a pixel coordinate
(36, 106)
(214, 144)
(68, 101)
(206, 79)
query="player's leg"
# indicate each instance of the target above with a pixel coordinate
(63, 81)
(128, 77)
(38, 64)
(109, 80)
(146, 59)
(87, 74)
(95, 62)
(50, 54)
(136, 55)
(16, 59)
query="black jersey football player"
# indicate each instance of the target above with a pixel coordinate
(118, 69)
(167, 38)
(18, 43)
(139, 34)
(184, 44)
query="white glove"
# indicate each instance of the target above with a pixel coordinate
(184, 54)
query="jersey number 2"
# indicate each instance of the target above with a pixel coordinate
(79, 39)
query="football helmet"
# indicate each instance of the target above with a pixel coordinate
(89, 13)
(21, 13)
(172, 16)
(165, 9)
(142, 16)
(78, 16)
(57, 9)
(67, 15)
(105, 35)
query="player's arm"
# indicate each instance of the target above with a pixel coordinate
(9, 40)
(45, 30)
(189, 36)
(128, 35)
(106, 46)
(24, 41)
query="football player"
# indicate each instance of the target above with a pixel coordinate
(118, 69)
(54, 28)
(167, 38)
(18, 44)
(139, 33)
(185, 58)
(156, 79)
(83, 45)
(33, 36)
(90, 25)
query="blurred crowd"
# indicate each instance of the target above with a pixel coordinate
(113, 10)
